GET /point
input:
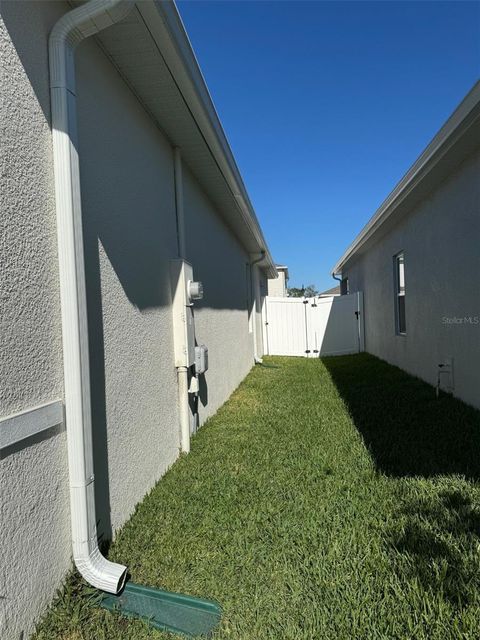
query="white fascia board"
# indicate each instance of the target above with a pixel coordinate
(461, 120)
(166, 27)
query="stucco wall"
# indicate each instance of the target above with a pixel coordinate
(277, 286)
(34, 513)
(221, 318)
(130, 235)
(440, 240)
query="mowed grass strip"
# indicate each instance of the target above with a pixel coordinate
(334, 499)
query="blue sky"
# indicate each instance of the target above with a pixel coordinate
(327, 104)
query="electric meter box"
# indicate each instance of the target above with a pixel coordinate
(183, 324)
(201, 359)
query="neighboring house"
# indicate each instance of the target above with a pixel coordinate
(278, 286)
(158, 182)
(334, 291)
(418, 262)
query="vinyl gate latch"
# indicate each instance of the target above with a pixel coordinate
(357, 314)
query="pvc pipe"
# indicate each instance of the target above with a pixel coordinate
(177, 157)
(182, 372)
(68, 32)
(255, 303)
(184, 408)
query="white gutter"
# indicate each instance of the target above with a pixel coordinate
(182, 372)
(68, 32)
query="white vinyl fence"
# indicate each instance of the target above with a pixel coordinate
(314, 327)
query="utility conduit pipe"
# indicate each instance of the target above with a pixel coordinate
(255, 303)
(68, 32)
(184, 409)
(177, 158)
(182, 372)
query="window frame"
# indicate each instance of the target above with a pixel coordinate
(400, 292)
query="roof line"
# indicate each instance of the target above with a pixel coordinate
(206, 117)
(467, 112)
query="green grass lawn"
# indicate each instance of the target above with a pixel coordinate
(334, 499)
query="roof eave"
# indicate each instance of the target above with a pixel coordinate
(455, 130)
(190, 78)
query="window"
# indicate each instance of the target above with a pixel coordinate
(399, 264)
(344, 288)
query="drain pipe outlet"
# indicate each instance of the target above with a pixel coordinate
(68, 32)
(255, 304)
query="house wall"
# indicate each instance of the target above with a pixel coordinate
(34, 508)
(442, 263)
(128, 198)
(277, 286)
(130, 235)
(221, 318)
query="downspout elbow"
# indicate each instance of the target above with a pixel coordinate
(259, 258)
(97, 570)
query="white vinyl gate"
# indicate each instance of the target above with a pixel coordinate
(314, 327)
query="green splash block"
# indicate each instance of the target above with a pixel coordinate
(174, 612)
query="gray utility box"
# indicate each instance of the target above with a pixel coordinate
(201, 359)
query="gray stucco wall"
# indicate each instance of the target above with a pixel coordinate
(130, 235)
(440, 238)
(34, 512)
(277, 286)
(221, 318)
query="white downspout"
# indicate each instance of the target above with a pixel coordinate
(68, 32)
(255, 304)
(182, 372)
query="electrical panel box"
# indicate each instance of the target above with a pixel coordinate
(183, 324)
(201, 359)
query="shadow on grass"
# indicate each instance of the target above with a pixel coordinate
(408, 431)
(437, 537)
